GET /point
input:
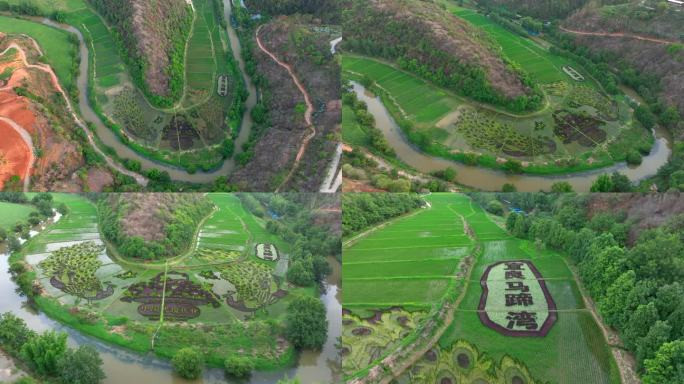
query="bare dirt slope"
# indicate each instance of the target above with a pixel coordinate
(28, 103)
(646, 210)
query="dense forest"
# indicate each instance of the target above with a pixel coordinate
(362, 210)
(291, 216)
(328, 9)
(542, 9)
(629, 252)
(451, 54)
(151, 226)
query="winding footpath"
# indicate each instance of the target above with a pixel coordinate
(618, 34)
(307, 114)
(55, 83)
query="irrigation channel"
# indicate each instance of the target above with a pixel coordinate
(110, 139)
(492, 180)
(125, 367)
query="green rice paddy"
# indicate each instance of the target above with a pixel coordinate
(222, 276)
(600, 132)
(411, 261)
(410, 271)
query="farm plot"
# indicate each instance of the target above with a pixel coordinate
(201, 63)
(418, 256)
(208, 299)
(572, 349)
(421, 102)
(542, 66)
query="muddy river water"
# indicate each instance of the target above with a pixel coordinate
(124, 367)
(492, 180)
(109, 138)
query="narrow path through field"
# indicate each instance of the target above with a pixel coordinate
(618, 34)
(29, 142)
(307, 114)
(55, 82)
(161, 309)
(444, 320)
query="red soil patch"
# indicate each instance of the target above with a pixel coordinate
(15, 155)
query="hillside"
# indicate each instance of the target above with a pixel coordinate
(327, 9)
(659, 63)
(294, 134)
(154, 34)
(152, 226)
(425, 39)
(542, 9)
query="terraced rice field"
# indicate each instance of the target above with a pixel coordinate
(542, 66)
(421, 101)
(204, 49)
(573, 351)
(394, 260)
(410, 262)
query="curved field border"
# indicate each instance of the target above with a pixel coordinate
(484, 317)
(485, 160)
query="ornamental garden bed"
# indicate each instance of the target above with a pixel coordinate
(515, 300)
(266, 251)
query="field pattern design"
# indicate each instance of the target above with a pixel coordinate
(213, 289)
(574, 349)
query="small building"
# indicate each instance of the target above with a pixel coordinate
(222, 88)
(676, 2)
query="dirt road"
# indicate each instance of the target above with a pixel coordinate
(618, 34)
(55, 82)
(307, 114)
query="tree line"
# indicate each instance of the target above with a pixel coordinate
(363, 210)
(635, 282)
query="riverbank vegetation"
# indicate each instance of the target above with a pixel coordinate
(46, 355)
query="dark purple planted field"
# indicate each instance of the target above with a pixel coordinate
(182, 300)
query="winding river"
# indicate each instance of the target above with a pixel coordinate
(109, 138)
(124, 367)
(492, 180)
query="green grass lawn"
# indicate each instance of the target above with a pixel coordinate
(13, 213)
(59, 51)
